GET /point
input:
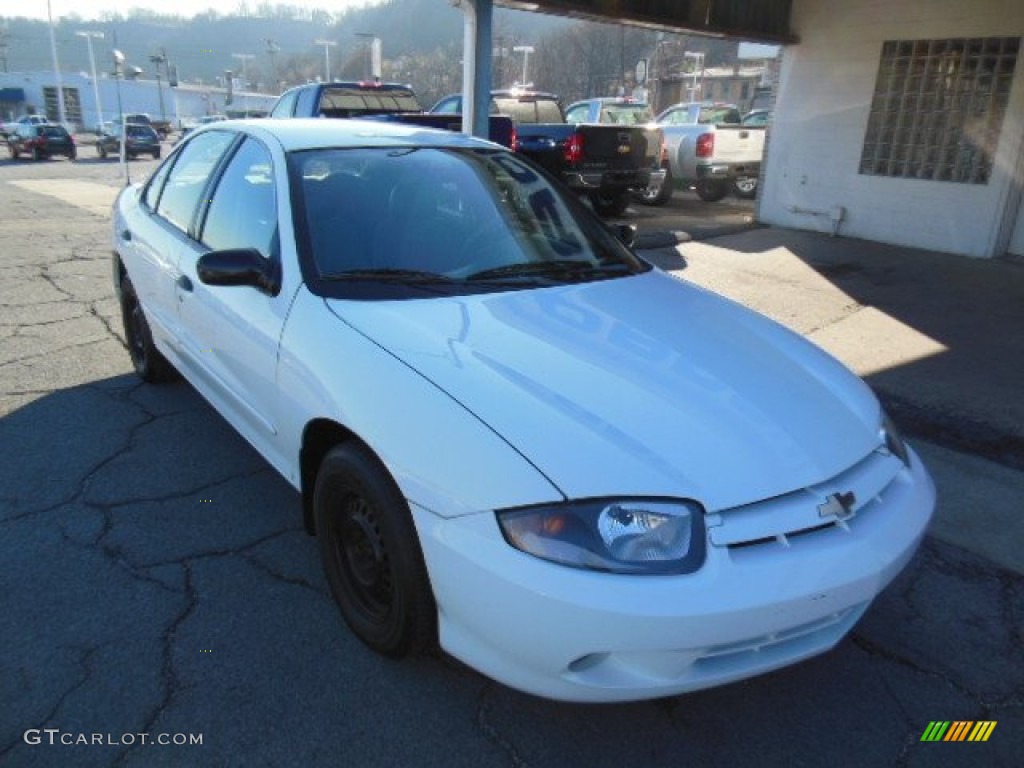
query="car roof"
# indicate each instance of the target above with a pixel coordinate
(301, 133)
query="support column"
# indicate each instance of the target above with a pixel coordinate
(476, 66)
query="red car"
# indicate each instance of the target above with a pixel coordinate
(41, 142)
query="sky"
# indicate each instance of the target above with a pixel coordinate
(90, 9)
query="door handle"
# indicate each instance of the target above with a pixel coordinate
(184, 283)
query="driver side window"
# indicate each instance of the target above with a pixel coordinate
(243, 207)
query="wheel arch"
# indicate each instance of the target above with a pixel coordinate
(319, 436)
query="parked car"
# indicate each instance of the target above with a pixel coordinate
(610, 110)
(582, 476)
(204, 120)
(142, 140)
(41, 141)
(162, 127)
(10, 127)
(604, 163)
(710, 150)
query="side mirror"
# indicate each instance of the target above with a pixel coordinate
(239, 266)
(625, 234)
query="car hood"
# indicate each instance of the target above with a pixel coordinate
(645, 385)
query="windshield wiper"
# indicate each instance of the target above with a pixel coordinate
(563, 269)
(388, 275)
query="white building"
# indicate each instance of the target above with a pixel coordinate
(37, 92)
(902, 121)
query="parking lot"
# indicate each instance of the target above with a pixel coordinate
(156, 584)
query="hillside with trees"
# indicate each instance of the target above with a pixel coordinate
(422, 45)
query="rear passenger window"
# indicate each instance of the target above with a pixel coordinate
(187, 180)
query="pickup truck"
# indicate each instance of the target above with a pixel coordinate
(377, 101)
(605, 163)
(709, 149)
(162, 127)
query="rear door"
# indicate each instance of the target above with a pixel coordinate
(620, 148)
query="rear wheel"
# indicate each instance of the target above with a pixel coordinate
(371, 554)
(101, 151)
(608, 204)
(13, 150)
(657, 194)
(156, 154)
(36, 154)
(149, 364)
(711, 190)
(746, 187)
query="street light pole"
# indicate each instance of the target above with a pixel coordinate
(526, 50)
(327, 44)
(374, 55)
(89, 35)
(118, 72)
(158, 59)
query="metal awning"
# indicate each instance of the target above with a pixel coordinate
(756, 20)
(12, 95)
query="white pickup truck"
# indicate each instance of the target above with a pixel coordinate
(709, 149)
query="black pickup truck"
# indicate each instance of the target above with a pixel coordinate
(377, 101)
(606, 163)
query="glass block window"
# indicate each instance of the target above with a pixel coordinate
(938, 108)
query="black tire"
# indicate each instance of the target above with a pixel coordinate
(149, 363)
(156, 154)
(13, 150)
(130, 155)
(101, 151)
(36, 154)
(371, 554)
(73, 154)
(610, 204)
(711, 190)
(657, 195)
(745, 187)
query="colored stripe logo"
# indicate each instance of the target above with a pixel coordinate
(958, 730)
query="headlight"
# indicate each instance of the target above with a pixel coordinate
(894, 440)
(618, 535)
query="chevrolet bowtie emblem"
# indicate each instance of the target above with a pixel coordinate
(838, 505)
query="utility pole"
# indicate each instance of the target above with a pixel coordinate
(3, 46)
(272, 50)
(56, 66)
(89, 35)
(244, 57)
(327, 44)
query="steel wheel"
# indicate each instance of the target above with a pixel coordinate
(149, 364)
(371, 554)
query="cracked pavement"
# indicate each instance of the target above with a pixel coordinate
(155, 578)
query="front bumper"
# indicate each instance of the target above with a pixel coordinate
(577, 635)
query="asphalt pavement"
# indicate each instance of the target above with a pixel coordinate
(155, 578)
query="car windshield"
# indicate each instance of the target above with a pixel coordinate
(400, 222)
(53, 131)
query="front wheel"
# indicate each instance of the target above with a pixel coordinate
(36, 154)
(149, 363)
(101, 151)
(156, 154)
(371, 554)
(746, 187)
(610, 204)
(13, 150)
(657, 194)
(711, 190)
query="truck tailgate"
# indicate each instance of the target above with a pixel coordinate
(739, 144)
(619, 147)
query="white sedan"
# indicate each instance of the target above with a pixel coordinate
(513, 437)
